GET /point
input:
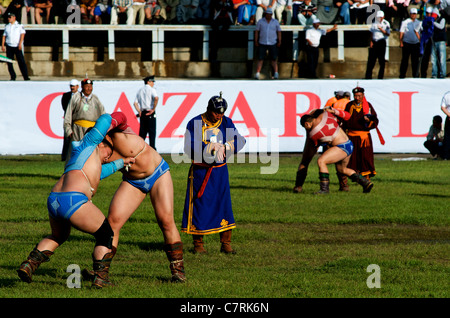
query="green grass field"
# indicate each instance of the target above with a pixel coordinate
(288, 245)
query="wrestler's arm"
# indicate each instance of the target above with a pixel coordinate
(111, 167)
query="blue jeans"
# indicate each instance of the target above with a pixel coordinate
(439, 49)
(345, 13)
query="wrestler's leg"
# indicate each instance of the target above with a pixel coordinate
(331, 155)
(88, 218)
(341, 167)
(309, 151)
(60, 233)
(125, 201)
(162, 199)
(161, 195)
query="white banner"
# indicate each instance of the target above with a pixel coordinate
(267, 112)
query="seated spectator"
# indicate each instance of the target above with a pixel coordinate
(169, 10)
(122, 6)
(435, 138)
(239, 10)
(344, 11)
(203, 14)
(326, 11)
(139, 10)
(222, 15)
(15, 7)
(28, 9)
(42, 8)
(102, 12)
(87, 8)
(397, 12)
(296, 4)
(251, 7)
(358, 11)
(152, 11)
(186, 11)
(262, 6)
(381, 5)
(306, 15)
(281, 7)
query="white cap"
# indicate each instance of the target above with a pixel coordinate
(429, 9)
(74, 82)
(380, 14)
(315, 20)
(413, 10)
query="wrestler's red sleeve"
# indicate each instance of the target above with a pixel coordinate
(119, 120)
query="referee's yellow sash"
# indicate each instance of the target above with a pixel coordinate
(84, 123)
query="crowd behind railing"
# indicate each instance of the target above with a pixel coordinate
(217, 13)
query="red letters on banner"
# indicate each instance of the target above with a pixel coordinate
(290, 113)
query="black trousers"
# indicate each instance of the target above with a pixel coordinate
(413, 51)
(10, 53)
(148, 126)
(376, 52)
(312, 56)
(446, 150)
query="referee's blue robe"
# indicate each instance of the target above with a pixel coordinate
(207, 208)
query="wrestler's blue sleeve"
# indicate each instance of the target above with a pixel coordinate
(110, 168)
(98, 132)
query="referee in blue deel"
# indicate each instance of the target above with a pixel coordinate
(145, 104)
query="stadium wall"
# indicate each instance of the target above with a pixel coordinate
(267, 112)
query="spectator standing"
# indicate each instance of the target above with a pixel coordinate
(313, 36)
(439, 50)
(83, 110)
(410, 44)
(122, 6)
(65, 99)
(426, 39)
(12, 42)
(445, 107)
(145, 104)
(267, 38)
(380, 31)
(435, 138)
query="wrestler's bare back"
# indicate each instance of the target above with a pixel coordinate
(132, 145)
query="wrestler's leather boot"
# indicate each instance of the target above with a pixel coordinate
(198, 244)
(324, 185)
(28, 267)
(89, 275)
(225, 239)
(366, 184)
(343, 182)
(101, 271)
(174, 254)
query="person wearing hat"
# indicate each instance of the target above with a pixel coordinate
(313, 36)
(426, 41)
(210, 140)
(380, 30)
(82, 112)
(363, 119)
(262, 6)
(145, 104)
(12, 43)
(410, 44)
(267, 39)
(65, 99)
(439, 50)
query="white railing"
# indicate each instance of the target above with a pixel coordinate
(159, 30)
